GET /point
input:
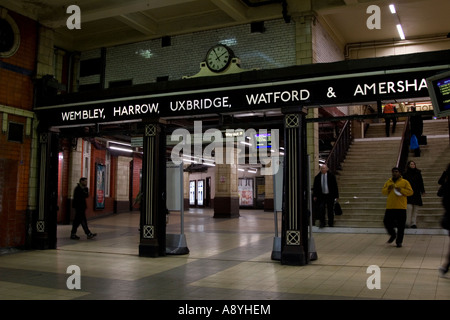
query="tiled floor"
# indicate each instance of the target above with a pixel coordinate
(229, 259)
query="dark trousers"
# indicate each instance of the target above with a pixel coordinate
(326, 203)
(80, 218)
(395, 218)
(388, 125)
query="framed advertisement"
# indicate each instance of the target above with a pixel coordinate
(192, 192)
(200, 192)
(99, 186)
(245, 189)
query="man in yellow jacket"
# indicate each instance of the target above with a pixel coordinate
(397, 190)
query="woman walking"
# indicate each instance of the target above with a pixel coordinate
(414, 177)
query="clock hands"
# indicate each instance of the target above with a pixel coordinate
(218, 58)
(221, 55)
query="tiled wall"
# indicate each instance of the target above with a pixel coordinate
(144, 62)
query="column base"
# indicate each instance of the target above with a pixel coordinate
(121, 206)
(293, 256)
(226, 207)
(276, 249)
(268, 205)
(41, 241)
(149, 248)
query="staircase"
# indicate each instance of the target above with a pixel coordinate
(368, 166)
(433, 160)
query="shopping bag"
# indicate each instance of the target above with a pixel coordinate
(414, 144)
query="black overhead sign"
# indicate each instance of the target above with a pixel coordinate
(355, 88)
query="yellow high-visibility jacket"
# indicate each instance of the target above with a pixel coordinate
(394, 201)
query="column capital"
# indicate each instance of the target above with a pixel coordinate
(294, 110)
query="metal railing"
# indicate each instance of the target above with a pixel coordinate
(403, 151)
(340, 148)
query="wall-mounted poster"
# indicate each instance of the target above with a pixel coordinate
(192, 192)
(200, 192)
(99, 186)
(245, 189)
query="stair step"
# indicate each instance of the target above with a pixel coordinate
(367, 167)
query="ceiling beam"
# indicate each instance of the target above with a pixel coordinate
(232, 8)
(139, 22)
(59, 17)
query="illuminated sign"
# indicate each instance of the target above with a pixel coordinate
(263, 140)
(439, 88)
(298, 92)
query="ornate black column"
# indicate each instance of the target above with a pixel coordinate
(44, 219)
(294, 238)
(153, 205)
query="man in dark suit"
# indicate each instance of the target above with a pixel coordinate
(80, 194)
(325, 192)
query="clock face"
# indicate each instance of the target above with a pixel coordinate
(218, 58)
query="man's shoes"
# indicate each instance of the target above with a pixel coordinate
(399, 245)
(442, 272)
(413, 226)
(391, 239)
(74, 237)
(91, 235)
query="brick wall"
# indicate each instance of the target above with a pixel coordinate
(98, 155)
(16, 94)
(137, 167)
(325, 48)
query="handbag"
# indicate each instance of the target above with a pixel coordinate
(337, 209)
(440, 192)
(445, 221)
(423, 140)
(442, 189)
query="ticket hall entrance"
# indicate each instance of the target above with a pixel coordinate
(214, 122)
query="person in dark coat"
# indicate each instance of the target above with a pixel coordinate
(325, 193)
(414, 177)
(416, 123)
(390, 109)
(444, 181)
(80, 194)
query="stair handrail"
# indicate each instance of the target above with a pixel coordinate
(403, 151)
(340, 148)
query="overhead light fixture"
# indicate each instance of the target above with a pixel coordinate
(209, 164)
(120, 149)
(400, 31)
(399, 26)
(392, 8)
